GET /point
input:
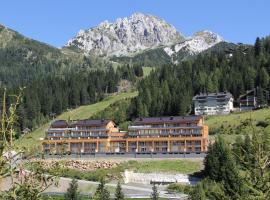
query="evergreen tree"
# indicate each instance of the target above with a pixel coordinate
(155, 194)
(72, 191)
(258, 47)
(254, 160)
(220, 166)
(264, 78)
(207, 189)
(101, 193)
(198, 193)
(119, 195)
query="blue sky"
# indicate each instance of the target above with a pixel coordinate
(56, 21)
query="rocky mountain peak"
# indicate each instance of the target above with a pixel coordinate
(208, 36)
(200, 41)
(126, 35)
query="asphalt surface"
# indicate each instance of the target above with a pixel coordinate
(130, 191)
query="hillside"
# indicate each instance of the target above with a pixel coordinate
(23, 59)
(32, 140)
(230, 126)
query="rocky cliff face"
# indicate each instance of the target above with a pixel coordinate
(199, 42)
(131, 35)
(126, 35)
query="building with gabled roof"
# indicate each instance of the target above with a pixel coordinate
(218, 103)
(147, 135)
(253, 99)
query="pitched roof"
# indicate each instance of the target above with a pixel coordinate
(91, 122)
(158, 120)
(59, 124)
(212, 95)
(255, 91)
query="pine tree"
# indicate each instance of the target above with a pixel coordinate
(101, 193)
(264, 78)
(72, 191)
(154, 195)
(119, 195)
(220, 166)
(258, 47)
(255, 160)
(198, 193)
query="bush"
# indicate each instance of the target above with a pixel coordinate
(180, 188)
(263, 124)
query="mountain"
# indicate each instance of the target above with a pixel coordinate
(194, 45)
(22, 59)
(143, 39)
(125, 36)
(190, 47)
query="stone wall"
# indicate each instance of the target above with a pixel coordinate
(160, 178)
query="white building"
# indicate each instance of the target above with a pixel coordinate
(213, 103)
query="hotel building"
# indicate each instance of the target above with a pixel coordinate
(213, 103)
(146, 135)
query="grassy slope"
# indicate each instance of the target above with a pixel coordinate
(169, 166)
(233, 121)
(82, 112)
(147, 71)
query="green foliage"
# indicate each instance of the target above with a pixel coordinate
(149, 58)
(208, 190)
(55, 80)
(180, 188)
(119, 112)
(23, 185)
(154, 194)
(173, 166)
(101, 193)
(253, 154)
(169, 89)
(72, 191)
(240, 171)
(220, 165)
(119, 195)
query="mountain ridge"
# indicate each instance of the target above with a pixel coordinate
(131, 35)
(126, 35)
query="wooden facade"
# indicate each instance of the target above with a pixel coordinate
(164, 134)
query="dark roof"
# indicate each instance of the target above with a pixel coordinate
(202, 96)
(91, 122)
(59, 124)
(255, 92)
(158, 120)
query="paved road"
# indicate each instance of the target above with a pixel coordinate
(88, 187)
(136, 190)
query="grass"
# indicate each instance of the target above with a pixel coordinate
(32, 140)
(147, 71)
(167, 166)
(230, 126)
(235, 119)
(181, 166)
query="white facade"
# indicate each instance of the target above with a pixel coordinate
(213, 103)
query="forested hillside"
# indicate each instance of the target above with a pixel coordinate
(23, 59)
(149, 58)
(168, 90)
(54, 80)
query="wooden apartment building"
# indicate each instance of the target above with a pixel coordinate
(160, 134)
